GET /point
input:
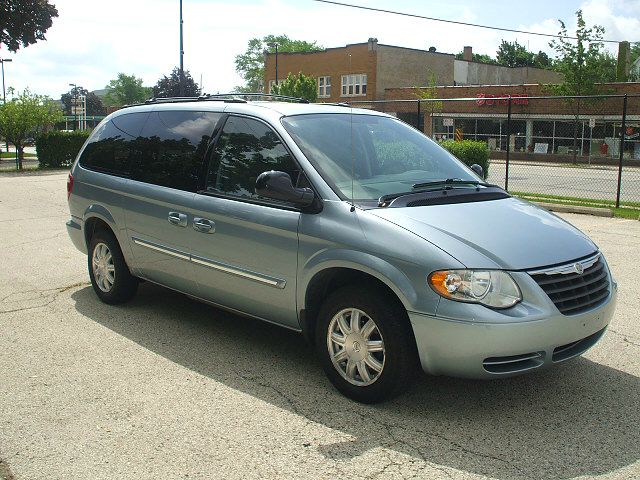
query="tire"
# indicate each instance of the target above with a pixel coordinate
(391, 344)
(110, 276)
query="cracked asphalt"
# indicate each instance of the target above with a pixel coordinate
(165, 387)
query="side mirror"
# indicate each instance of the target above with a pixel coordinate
(278, 186)
(477, 169)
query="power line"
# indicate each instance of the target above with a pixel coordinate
(413, 15)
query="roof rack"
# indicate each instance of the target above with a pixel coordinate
(222, 97)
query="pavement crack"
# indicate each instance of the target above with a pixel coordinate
(5, 471)
(625, 337)
(48, 296)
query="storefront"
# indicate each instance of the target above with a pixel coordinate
(539, 125)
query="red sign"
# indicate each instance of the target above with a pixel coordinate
(488, 99)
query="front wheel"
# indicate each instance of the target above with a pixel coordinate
(366, 344)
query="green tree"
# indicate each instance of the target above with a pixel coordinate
(300, 86)
(580, 63)
(478, 57)
(170, 86)
(125, 90)
(25, 115)
(634, 74)
(513, 54)
(250, 64)
(24, 22)
(430, 94)
(94, 103)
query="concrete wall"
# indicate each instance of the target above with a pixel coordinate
(407, 67)
(473, 73)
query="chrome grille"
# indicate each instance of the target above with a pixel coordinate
(574, 292)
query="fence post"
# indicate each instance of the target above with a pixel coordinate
(624, 128)
(419, 115)
(506, 171)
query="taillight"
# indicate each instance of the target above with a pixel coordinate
(69, 185)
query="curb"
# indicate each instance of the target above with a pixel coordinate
(598, 212)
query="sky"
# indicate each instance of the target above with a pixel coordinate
(90, 42)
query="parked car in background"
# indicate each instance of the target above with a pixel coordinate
(347, 225)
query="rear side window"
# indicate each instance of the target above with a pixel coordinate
(112, 145)
(172, 146)
(247, 148)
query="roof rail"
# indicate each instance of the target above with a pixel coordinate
(221, 97)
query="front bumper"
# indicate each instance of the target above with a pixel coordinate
(486, 349)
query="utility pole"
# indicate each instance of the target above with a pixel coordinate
(181, 55)
(4, 93)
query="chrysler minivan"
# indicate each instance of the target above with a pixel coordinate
(347, 225)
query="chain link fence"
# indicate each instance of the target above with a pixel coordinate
(582, 149)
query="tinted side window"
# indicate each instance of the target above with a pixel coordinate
(173, 144)
(111, 148)
(247, 148)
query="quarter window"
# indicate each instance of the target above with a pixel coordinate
(172, 147)
(247, 148)
(324, 87)
(354, 85)
(111, 148)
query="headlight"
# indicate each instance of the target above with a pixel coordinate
(492, 288)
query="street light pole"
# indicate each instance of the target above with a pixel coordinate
(4, 93)
(275, 45)
(73, 102)
(181, 55)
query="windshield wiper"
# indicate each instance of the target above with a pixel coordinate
(431, 186)
(449, 181)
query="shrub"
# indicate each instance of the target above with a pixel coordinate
(57, 149)
(469, 152)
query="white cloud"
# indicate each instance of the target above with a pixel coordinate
(91, 42)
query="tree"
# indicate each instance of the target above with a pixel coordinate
(478, 57)
(634, 74)
(170, 86)
(512, 54)
(125, 90)
(430, 93)
(580, 63)
(250, 64)
(94, 103)
(23, 22)
(300, 86)
(25, 115)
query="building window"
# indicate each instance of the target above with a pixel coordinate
(354, 85)
(324, 87)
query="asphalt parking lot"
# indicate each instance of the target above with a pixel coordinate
(165, 387)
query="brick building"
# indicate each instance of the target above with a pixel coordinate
(364, 71)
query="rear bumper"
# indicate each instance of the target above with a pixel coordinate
(74, 229)
(490, 350)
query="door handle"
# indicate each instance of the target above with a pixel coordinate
(177, 218)
(204, 225)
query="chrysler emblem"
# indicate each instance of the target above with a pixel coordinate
(578, 268)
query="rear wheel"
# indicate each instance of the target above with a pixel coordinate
(366, 345)
(109, 273)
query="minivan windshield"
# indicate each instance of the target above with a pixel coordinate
(365, 157)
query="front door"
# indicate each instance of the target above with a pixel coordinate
(244, 247)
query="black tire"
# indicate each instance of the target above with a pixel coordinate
(400, 365)
(124, 285)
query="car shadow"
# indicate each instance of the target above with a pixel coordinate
(580, 418)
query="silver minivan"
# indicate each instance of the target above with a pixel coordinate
(346, 225)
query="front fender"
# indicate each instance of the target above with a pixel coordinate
(393, 277)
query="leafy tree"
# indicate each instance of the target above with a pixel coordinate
(250, 64)
(300, 86)
(170, 86)
(512, 54)
(430, 93)
(125, 90)
(23, 22)
(634, 75)
(25, 115)
(580, 63)
(478, 57)
(94, 103)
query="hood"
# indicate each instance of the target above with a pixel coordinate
(508, 233)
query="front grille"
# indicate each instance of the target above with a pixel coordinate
(573, 349)
(513, 363)
(574, 293)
